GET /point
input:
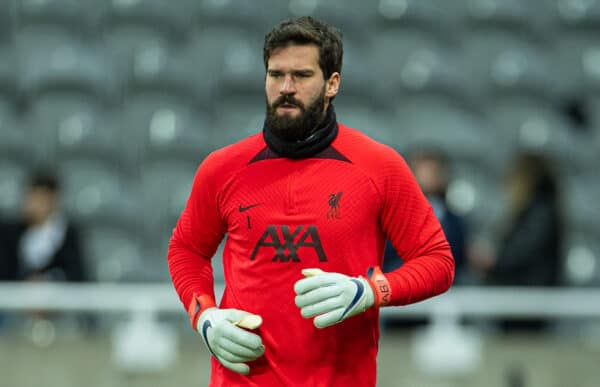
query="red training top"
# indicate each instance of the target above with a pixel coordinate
(331, 211)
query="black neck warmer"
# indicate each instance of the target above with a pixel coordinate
(312, 145)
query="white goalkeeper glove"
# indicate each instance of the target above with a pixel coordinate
(221, 330)
(332, 297)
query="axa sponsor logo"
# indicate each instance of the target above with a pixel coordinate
(287, 243)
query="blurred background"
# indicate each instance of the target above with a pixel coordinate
(108, 106)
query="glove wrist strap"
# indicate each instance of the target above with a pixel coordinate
(380, 286)
(198, 305)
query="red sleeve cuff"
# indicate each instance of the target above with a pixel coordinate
(198, 305)
(380, 286)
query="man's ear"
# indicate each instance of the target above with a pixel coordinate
(332, 85)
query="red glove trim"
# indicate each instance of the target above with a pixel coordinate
(198, 305)
(380, 286)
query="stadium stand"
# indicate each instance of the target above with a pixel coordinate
(126, 97)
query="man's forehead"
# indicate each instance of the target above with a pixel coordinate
(295, 56)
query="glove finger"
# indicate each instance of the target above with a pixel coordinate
(230, 357)
(322, 307)
(237, 316)
(321, 280)
(241, 337)
(317, 295)
(240, 368)
(244, 353)
(328, 319)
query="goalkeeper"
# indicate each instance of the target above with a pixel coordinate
(307, 205)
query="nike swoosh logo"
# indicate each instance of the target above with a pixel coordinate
(205, 327)
(359, 292)
(242, 209)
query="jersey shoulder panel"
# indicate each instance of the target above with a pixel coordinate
(379, 161)
(228, 160)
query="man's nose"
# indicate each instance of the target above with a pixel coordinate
(288, 86)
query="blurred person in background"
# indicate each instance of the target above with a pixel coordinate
(43, 245)
(529, 252)
(306, 206)
(431, 166)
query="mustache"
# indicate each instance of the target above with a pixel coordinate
(287, 99)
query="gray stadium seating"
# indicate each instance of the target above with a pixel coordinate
(577, 14)
(237, 117)
(533, 124)
(366, 116)
(166, 187)
(344, 15)
(411, 61)
(94, 192)
(8, 70)
(114, 254)
(70, 123)
(164, 126)
(79, 17)
(509, 14)
(13, 177)
(49, 59)
(230, 54)
(440, 122)
(240, 13)
(502, 62)
(126, 97)
(14, 140)
(160, 15)
(579, 71)
(159, 68)
(422, 14)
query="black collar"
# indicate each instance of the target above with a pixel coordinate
(315, 143)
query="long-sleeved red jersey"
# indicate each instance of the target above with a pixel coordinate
(333, 211)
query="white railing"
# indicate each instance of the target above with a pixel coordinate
(161, 298)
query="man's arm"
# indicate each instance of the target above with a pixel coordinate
(195, 240)
(410, 224)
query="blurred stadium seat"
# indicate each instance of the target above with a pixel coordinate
(581, 195)
(507, 14)
(237, 13)
(577, 13)
(579, 71)
(437, 121)
(94, 192)
(13, 178)
(158, 68)
(158, 15)
(51, 60)
(368, 117)
(164, 126)
(410, 61)
(230, 55)
(502, 62)
(165, 187)
(343, 15)
(114, 254)
(13, 137)
(357, 69)
(237, 116)
(78, 17)
(7, 20)
(70, 123)
(524, 123)
(8, 69)
(431, 15)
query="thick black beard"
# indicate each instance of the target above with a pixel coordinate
(298, 128)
